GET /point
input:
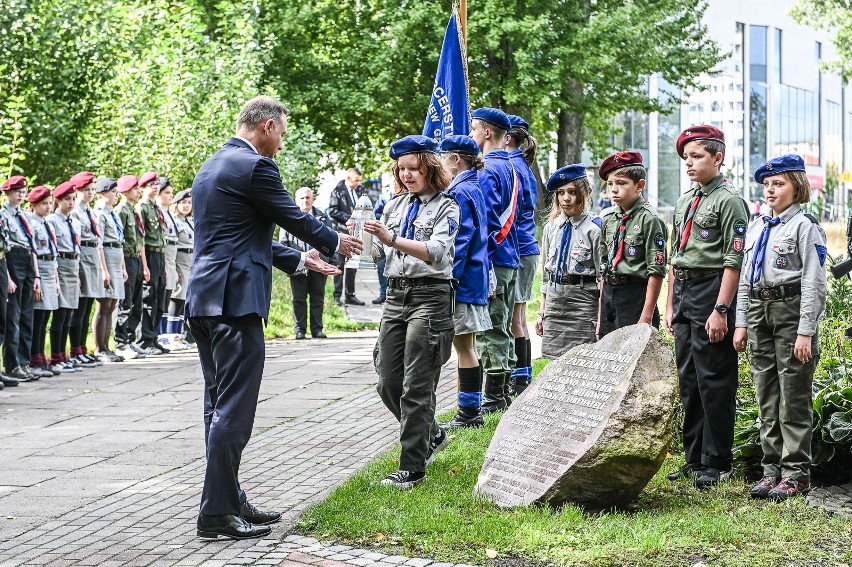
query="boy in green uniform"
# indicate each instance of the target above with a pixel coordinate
(154, 290)
(130, 307)
(710, 222)
(633, 248)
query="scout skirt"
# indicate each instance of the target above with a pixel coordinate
(526, 275)
(69, 282)
(49, 293)
(114, 261)
(184, 262)
(469, 318)
(170, 254)
(570, 317)
(91, 278)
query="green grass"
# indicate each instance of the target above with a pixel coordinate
(669, 524)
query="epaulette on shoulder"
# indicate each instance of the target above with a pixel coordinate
(609, 210)
(597, 220)
(812, 218)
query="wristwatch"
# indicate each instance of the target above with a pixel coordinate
(721, 308)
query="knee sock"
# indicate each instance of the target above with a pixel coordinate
(529, 359)
(470, 387)
(522, 355)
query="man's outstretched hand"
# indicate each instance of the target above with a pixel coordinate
(350, 245)
(317, 264)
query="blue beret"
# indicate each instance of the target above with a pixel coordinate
(413, 145)
(460, 145)
(789, 162)
(565, 175)
(517, 121)
(492, 116)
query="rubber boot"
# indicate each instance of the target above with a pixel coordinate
(465, 417)
(493, 398)
(508, 389)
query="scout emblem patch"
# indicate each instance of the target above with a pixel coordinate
(454, 226)
(782, 261)
(631, 250)
(822, 251)
(740, 226)
(659, 241)
(580, 268)
(738, 244)
(659, 259)
(704, 234)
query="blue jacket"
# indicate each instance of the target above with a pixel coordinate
(238, 198)
(470, 267)
(527, 244)
(496, 183)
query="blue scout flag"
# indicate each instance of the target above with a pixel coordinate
(449, 111)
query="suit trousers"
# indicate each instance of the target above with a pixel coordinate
(345, 280)
(4, 298)
(310, 286)
(232, 354)
(19, 309)
(707, 374)
(153, 298)
(130, 307)
(621, 306)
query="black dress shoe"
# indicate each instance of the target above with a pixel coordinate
(8, 381)
(352, 300)
(251, 514)
(319, 335)
(232, 527)
(300, 335)
(379, 300)
(338, 302)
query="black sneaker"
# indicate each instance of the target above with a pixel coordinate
(764, 487)
(436, 445)
(404, 479)
(711, 477)
(789, 488)
(464, 418)
(689, 470)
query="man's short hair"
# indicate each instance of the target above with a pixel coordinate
(634, 173)
(260, 109)
(713, 147)
(304, 189)
(354, 171)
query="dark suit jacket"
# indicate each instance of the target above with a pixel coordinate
(340, 206)
(238, 198)
(291, 241)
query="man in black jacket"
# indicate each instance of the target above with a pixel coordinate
(340, 205)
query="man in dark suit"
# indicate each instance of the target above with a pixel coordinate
(343, 199)
(238, 198)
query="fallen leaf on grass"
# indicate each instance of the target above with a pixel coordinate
(669, 456)
(379, 536)
(454, 471)
(491, 553)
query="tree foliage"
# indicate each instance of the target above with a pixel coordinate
(833, 15)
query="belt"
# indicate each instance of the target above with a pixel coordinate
(113, 244)
(185, 250)
(154, 248)
(778, 292)
(47, 257)
(68, 255)
(171, 242)
(89, 243)
(403, 283)
(615, 279)
(13, 246)
(684, 274)
(133, 255)
(572, 279)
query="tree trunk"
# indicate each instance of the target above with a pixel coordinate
(569, 147)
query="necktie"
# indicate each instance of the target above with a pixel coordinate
(617, 252)
(139, 223)
(75, 240)
(564, 246)
(760, 249)
(118, 228)
(93, 224)
(27, 230)
(687, 221)
(407, 230)
(352, 197)
(160, 214)
(51, 241)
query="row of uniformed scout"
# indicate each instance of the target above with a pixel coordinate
(64, 261)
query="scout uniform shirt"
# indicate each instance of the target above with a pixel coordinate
(716, 235)
(67, 232)
(5, 237)
(44, 239)
(133, 228)
(582, 255)
(643, 244)
(497, 183)
(433, 219)
(154, 223)
(90, 234)
(17, 221)
(794, 253)
(112, 231)
(169, 225)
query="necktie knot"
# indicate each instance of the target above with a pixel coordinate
(771, 221)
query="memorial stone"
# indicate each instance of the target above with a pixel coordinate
(593, 428)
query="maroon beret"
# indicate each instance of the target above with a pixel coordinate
(127, 183)
(38, 194)
(147, 178)
(619, 160)
(64, 189)
(15, 182)
(701, 132)
(82, 179)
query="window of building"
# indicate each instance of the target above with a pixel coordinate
(777, 61)
(758, 100)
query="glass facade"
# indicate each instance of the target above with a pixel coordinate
(796, 123)
(668, 162)
(758, 102)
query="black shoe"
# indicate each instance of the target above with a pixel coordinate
(319, 335)
(379, 300)
(300, 335)
(711, 477)
(404, 479)
(161, 348)
(21, 375)
(9, 381)
(465, 417)
(232, 527)
(436, 445)
(254, 516)
(763, 488)
(338, 302)
(352, 300)
(689, 470)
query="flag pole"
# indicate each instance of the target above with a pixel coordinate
(463, 19)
